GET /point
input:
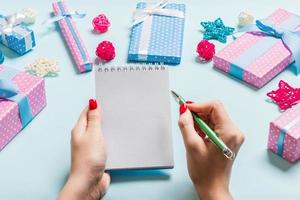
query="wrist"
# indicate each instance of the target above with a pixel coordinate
(79, 186)
(214, 193)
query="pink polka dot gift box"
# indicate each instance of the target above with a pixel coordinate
(71, 35)
(22, 97)
(284, 136)
(264, 50)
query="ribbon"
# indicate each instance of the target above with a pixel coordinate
(291, 39)
(1, 57)
(9, 91)
(141, 15)
(59, 17)
(11, 22)
(283, 134)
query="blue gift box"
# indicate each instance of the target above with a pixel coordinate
(161, 41)
(20, 39)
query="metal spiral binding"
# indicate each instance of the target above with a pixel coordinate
(130, 68)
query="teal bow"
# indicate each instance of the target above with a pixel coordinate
(291, 39)
(8, 91)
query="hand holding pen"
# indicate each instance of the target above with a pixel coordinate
(208, 168)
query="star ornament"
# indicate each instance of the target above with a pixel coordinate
(216, 30)
(285, 96)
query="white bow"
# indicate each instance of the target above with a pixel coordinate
(140, 15)
(11, 22)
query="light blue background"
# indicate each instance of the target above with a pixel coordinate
(35, 164)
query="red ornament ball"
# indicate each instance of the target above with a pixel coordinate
(105, 51)
(101, 23)
(206, 50)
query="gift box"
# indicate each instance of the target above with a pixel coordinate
(256, 57)
(72, 37)
(158, 37)
(19, 39)
(22, 97)
(284, 135)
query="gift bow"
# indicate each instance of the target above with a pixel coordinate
(140, 15)
(291, 39)
(11, 22)
(8, 91)
(65, 15)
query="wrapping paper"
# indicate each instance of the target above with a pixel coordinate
(33, 88)
(164, 38)
(20, 40)
(284, 135)
(72, 38)
(257, 58)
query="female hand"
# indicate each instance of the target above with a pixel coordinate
(208, 168)
(87, 179)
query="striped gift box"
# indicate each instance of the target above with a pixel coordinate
(257, 58)
(72, 38)
(20, 40)
(284, 136)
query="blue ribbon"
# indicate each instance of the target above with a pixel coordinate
(1, 57)
(280, 142)
(9, 91)
(291, 39)
(65, 15)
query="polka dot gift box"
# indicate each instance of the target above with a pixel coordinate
(284, 136)
(257, 57)
(157, 33)
(19, 38)
(22, 97)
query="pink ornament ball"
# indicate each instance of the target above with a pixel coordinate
(101, 24)
(206, 50)
(106, 51)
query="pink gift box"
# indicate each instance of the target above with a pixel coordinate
(284, 136)
(256, 58)
(72, 37)
(29, 86)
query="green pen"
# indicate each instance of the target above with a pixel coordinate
(207, 130)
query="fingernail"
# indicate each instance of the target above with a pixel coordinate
(189, 102)
(182, 108)
(93, 104)
(201, 134)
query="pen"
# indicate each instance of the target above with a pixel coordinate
(207, 130)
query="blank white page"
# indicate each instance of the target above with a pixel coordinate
(135, 103)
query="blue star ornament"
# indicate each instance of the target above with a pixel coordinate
(216, 30)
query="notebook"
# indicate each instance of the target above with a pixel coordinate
(135, 103)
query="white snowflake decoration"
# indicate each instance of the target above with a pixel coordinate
(43, 67)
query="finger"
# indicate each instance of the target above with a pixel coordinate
(189, 134)
(93, 117)
(80, 126)
(213, 110)
(104, 183)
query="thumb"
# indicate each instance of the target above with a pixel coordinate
(93, 117)
(186, 125)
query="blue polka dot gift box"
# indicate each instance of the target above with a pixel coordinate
(19, 38)
(157, 33)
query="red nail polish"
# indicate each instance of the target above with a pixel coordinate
(202, 135)
(182, 108)
(189, 102)
(93, 104)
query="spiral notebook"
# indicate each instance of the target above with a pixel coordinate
(135, 103)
